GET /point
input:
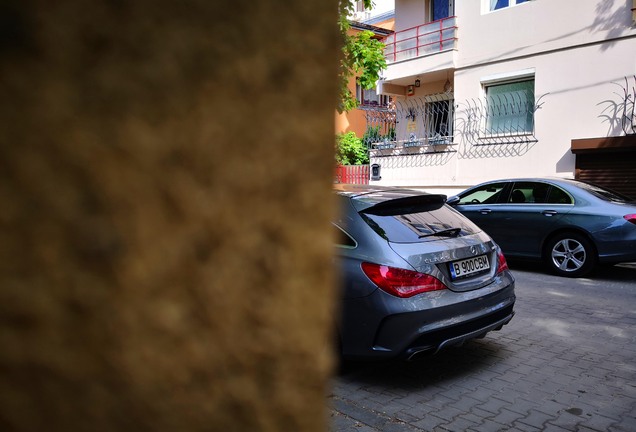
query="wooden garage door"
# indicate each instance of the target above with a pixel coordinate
(615, 170)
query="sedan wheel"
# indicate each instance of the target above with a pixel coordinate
(570, 255)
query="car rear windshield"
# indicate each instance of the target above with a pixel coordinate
(408, 223)
(604, 194)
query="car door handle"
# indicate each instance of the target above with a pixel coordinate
(485, 211)
(548, 213)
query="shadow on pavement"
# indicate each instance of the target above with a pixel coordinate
(448, 365)
(617, 272)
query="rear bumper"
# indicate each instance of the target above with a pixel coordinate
(455, 336)
(382, 326)
(616, 245)
(614, 254)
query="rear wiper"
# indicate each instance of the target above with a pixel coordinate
(451, 232)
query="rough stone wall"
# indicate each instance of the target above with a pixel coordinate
(165, 173)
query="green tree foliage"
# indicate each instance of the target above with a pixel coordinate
(362, 56)
(374, 135)
(350, 150)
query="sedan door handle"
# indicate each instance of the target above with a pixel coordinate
(485, 211)
(549, 213)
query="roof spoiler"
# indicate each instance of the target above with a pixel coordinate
(407, 205)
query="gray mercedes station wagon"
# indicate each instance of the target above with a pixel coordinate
(416, 275)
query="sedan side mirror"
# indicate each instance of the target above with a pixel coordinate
(454, 200)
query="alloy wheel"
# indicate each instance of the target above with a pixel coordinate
(569, 255)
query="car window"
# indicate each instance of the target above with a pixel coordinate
(485, 194)
(342, 239)
(529, 192)
(409, 227)
(559, 196)
(602, 193)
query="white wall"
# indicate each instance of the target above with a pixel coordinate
(409, 13)
(580, 52)
(537, 26)
(382, 6)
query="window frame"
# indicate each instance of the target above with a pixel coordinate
(500, 80)
(439, 114)
(487, 5)
(382, 100)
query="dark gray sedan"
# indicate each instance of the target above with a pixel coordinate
(417, 276)
(570, 225)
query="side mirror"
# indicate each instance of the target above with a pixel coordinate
(454, 200)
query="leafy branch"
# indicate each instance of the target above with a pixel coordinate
(362, 57)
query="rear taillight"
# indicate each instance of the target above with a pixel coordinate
(501, 262)
(401, 282)
(630, 218)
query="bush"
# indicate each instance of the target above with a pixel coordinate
(350, 150)
(372, 135)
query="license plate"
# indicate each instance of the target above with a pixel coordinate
(469, 266)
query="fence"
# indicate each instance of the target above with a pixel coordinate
(356, 174)
(422, 40)
(412, 126)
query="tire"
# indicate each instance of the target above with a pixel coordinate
(570, 255)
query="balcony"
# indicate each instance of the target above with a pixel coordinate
(420, 41)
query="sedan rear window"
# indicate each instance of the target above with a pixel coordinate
(409, 227)
(538, 193)
(558, 196)
(604, 194)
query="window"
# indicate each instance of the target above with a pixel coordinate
(441, 9)
(602, 193)
(370, 97)
(343, 239)
(412, 224)
(558, 196)
(500, 4)
(529, 192)
(438, 121)
(510, 108)
(486, 194)
(538, 193)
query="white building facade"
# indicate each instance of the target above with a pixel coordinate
(488, 89)
(380, 8)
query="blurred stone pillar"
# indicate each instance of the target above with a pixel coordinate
(165, 173)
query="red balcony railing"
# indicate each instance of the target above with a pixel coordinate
(422, 40)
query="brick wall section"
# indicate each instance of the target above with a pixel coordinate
(164, 253)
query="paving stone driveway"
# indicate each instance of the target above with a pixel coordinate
(566, 362)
